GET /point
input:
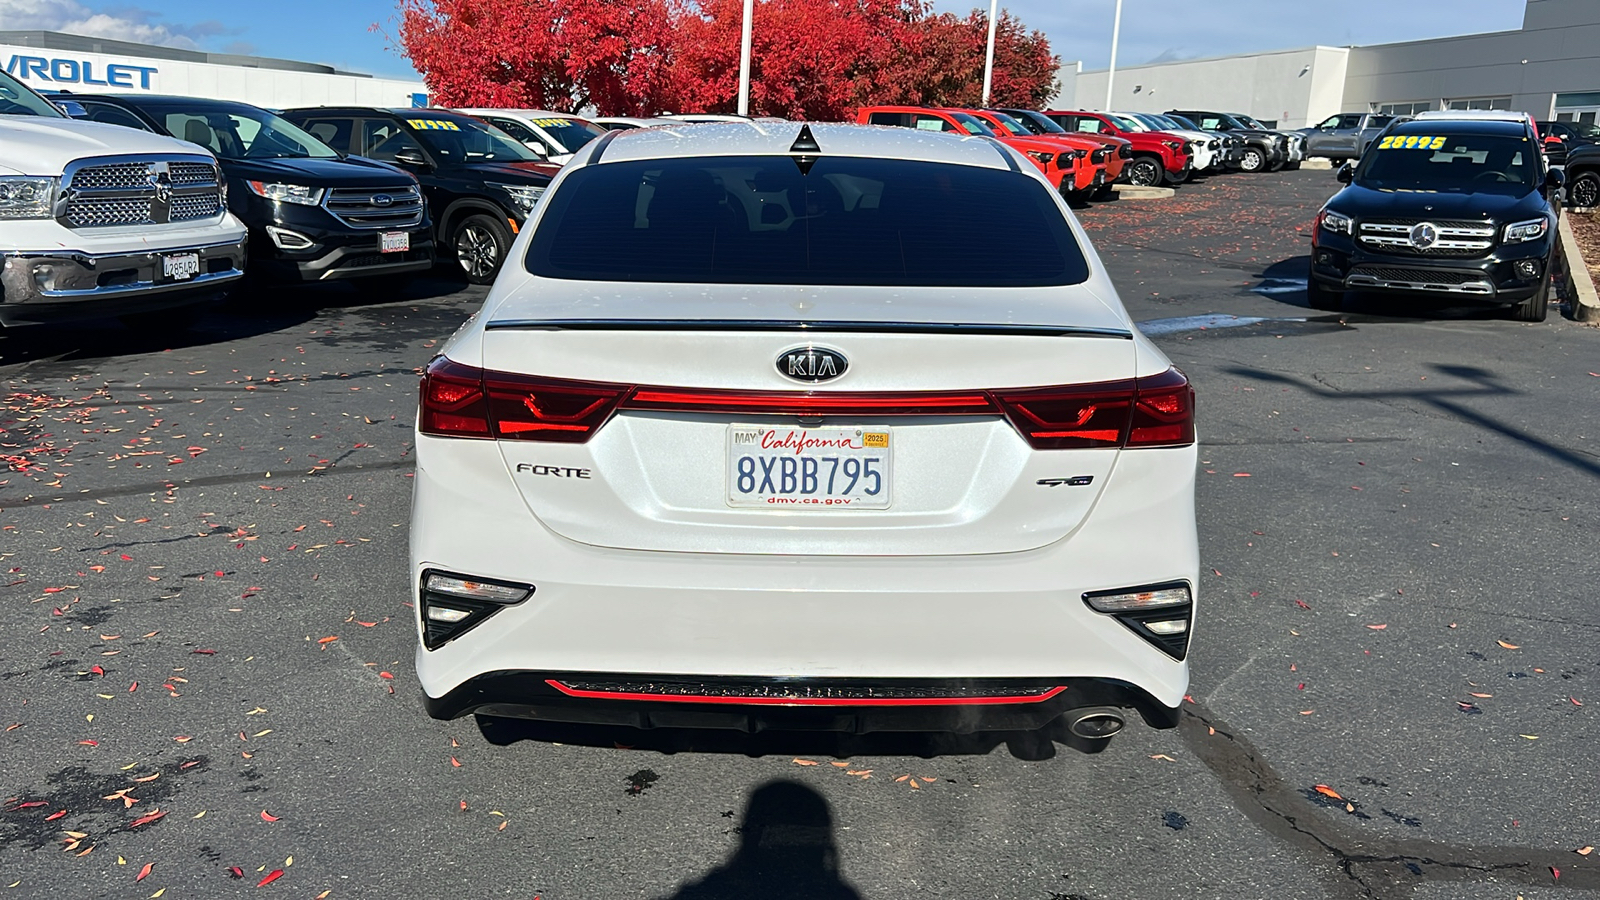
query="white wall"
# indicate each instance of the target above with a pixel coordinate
(44, 69)
(1294, 87)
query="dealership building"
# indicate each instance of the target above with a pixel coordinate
(1549, 67)
(52, 61)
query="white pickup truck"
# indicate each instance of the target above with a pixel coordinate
(99, 220)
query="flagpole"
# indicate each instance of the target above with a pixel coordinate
(1116, 34)
(744, 61)
(988, 62)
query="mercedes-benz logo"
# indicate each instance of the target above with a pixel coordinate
(1424, 235)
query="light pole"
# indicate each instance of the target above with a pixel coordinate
(744, 60)
(1116, 33)
(988, 61)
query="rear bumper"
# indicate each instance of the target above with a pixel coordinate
(824, 704)
(1004, 618)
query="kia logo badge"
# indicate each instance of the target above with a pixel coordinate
(1424, 235)
(812, 364)
(381, 199)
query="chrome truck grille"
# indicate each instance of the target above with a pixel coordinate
(157, 190)
(375, 207)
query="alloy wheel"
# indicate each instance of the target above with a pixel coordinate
(1144, 173)
(477, 250)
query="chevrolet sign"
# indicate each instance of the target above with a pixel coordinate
(46, 71)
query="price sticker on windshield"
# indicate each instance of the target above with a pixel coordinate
(549, 123)
(1412, 142)
(433, 125)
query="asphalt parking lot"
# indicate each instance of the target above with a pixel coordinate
(206, 686)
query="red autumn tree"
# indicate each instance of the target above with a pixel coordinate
(811, 59)
(551, 54)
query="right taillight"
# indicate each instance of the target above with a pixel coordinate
(1157, 411)
(1163, 411)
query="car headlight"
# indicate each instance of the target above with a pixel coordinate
(26, 197)
(526, 195)
(1531, 230)
(1174, 145)
(1042, 157)
(303, 194)
(1337, 223)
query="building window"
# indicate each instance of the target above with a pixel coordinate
(1479, 103)
(1580, 106)
(1408, 108)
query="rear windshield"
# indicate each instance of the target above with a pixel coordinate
(850, 221)
(1470, 163)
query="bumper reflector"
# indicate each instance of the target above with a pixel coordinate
(1159, 613)
(452, 604)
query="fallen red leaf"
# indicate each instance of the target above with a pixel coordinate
(144, 871)
(1378, 627)
(455, 762)
(147, 819)
(205, 652)
(328, 639)
(272, 876)
(1302, 604)
(97, 670)
(269, 817)
(236, 872)
(55, 815)
(385, 675)
(90, 743)
(133, 687)
(1326, 791)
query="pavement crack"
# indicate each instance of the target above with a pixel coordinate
(161, 487)
(1373, 868)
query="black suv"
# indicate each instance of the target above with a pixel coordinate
(1569, 136)
(480, 182)
(1457, 207)
(1265, 150)
(313, 214)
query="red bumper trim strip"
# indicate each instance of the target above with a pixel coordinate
(806, 701)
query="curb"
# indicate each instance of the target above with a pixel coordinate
(1588, 301)
(1135, 192)
(1318, 163)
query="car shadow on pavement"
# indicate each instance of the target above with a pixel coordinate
(1025, 745)
(786, 851)
(1450, 398)
(244, 314)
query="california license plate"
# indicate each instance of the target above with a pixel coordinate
(180, 266)
(808, 468)
(394, 242)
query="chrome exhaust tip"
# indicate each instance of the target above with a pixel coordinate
(1095, 723)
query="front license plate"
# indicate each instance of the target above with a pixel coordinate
(394, 242)
(180, 266)
(808, 468)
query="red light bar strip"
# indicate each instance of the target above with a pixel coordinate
(806, 701)
(888, 403)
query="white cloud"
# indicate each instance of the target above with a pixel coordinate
(75, 18)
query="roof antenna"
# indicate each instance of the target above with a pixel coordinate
(805, 149)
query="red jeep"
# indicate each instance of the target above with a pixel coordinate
(1062, 167)
(1159, 157)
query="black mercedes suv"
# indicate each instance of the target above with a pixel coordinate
(480, 182)
(1445, 206)
(314, 214)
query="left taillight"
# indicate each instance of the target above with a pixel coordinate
(453, 403)
(464, 401)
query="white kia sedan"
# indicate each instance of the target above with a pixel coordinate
(819, 427)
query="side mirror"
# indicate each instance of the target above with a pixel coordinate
(1554, 179)
(1346, 173)
(411, 157)
(72, 109)
(537, 147)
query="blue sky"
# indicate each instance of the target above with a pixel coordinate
(337, 31)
